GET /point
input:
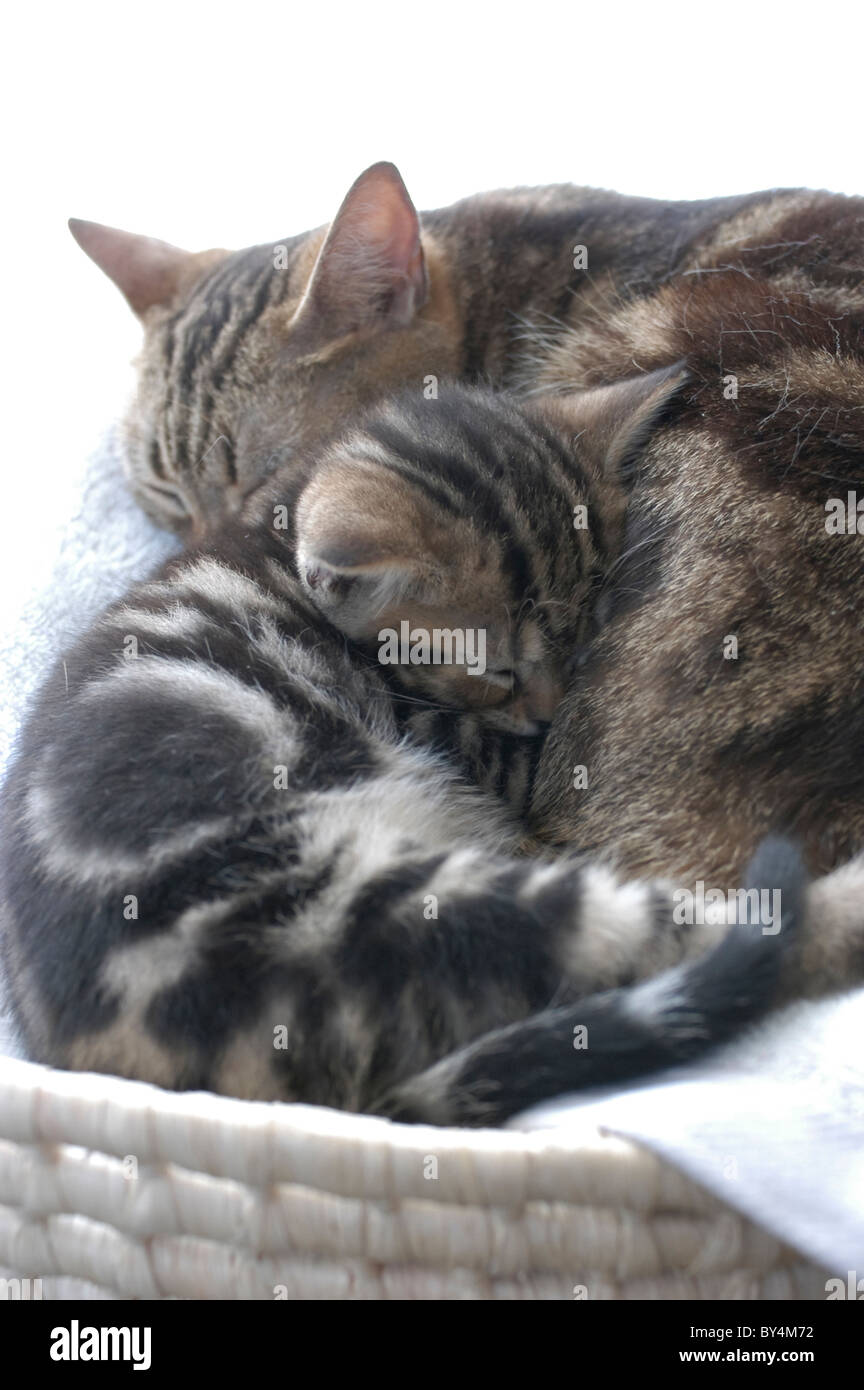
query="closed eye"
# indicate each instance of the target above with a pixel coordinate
(220, 453)
(169, 498)
(503, 677)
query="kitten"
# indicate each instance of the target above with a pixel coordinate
(250, 356)
(228, 862)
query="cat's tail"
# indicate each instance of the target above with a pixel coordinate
(622, 1033)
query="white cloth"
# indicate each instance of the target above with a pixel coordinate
(86, 558)
(772, 1123)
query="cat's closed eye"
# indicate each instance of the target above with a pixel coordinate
(167, 503)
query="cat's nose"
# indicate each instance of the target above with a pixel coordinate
(541, 698)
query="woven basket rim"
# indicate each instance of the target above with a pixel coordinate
(240, 1199)
(260, 1142)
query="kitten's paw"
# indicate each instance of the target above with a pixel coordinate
(434, 1097)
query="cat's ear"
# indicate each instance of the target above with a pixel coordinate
(612, 425)
(147, 271)
(371, 270)
(364, 542)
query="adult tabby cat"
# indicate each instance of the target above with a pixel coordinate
(725, 695)
(250, 356)
(227, 862)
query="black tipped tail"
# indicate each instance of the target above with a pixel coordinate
(622, 1034)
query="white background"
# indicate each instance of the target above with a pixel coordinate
(208, 125)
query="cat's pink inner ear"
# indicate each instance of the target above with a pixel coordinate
(371, 268)
(147, 271)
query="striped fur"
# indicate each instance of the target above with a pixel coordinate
(767, 288)
(693, 753)
(228, 861)
(251, 358)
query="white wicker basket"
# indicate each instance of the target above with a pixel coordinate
(115, 1189)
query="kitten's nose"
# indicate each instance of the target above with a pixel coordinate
(533, 709)
(540, 699)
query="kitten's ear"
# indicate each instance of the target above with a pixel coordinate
(371, 269)
(612, 424)
(147, 271)
(364, 543)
